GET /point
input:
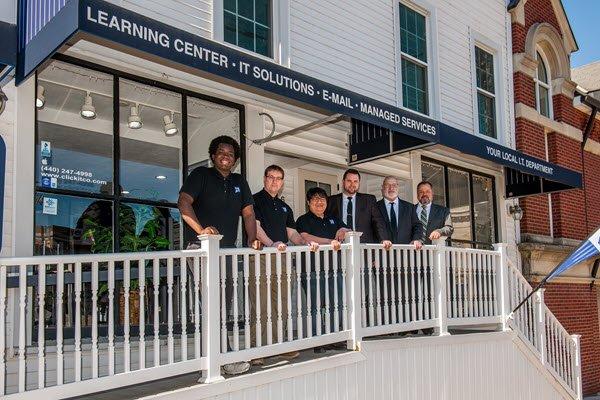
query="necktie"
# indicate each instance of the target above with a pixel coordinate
(349, 218)
(393, 221)
(423, 219)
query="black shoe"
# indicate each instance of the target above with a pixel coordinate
(319, 350)
(428, 331)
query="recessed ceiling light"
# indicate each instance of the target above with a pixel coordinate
(88, 111)
(161, 177)
(170, 127)
(134, 121)
(40, 99)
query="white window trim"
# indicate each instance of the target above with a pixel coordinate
(280, 17)
(429, 12)
(484, 43)
(548, 86)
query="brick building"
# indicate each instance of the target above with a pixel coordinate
(553, 114)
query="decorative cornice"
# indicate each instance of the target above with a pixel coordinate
(517, 12)
(523, 62)
(564, 86)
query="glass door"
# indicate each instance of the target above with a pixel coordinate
(309, 179)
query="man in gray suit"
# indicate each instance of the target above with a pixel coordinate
(436, 220)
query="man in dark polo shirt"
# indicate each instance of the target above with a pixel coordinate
(211, 201)
(275, 228)
(315, 226)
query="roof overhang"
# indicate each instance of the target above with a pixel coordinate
(8, 51)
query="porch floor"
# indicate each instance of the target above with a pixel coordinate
(186, 380)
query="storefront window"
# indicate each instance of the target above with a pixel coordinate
(483, 203)
(459, 203)
(147, 228)
(435, 174)
(101, 189)
(74, 145)
(72, 225)
(207, 120)
(470, 197)
(150, 142)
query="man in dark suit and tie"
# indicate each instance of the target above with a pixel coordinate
(436, 219)
(403, 226)
(358, 210)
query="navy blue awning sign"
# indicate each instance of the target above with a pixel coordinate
(123, 29)
(509, 158)
(8, 50)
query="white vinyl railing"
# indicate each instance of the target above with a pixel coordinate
(543, 333)
(74, 325)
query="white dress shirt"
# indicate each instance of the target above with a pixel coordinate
(345, 209)
(388, 207)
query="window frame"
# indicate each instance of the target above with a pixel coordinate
(548, 86)
(484, 92)
(116, 198)
(280, 31)
(501, 92)
(428, 12)
(496, 219)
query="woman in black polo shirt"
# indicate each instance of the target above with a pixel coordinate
(315, 226)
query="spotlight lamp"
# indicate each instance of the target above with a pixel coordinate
(170, 127)
(134, 121)
(88, 111)
(516, 212)
(40, 100)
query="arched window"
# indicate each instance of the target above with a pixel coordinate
(543, 97)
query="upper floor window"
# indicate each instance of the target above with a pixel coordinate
(486, 92)
(414, 62)
(542, 88)
(248, 24)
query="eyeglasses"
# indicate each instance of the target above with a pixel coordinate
(274, 178)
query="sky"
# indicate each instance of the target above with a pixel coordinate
(584, 16)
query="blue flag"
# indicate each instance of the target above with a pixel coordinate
(587, 249)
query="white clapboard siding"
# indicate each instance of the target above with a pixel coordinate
(193, 16)
(481, 366)
(458, 24)
(327, 144)
(350, 44)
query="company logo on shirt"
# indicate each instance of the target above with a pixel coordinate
(284, 209)
(332, 222)
(236, 189)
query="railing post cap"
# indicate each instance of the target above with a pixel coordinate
(498, 246)
(354, 234)
(576, 336)
(441, 242)
(209, 237)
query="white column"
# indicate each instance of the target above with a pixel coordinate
(577, 365)
(540, 317)
(440, 287)
(502, 284)
(353, 290)
(255, 154)
(210, 308)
